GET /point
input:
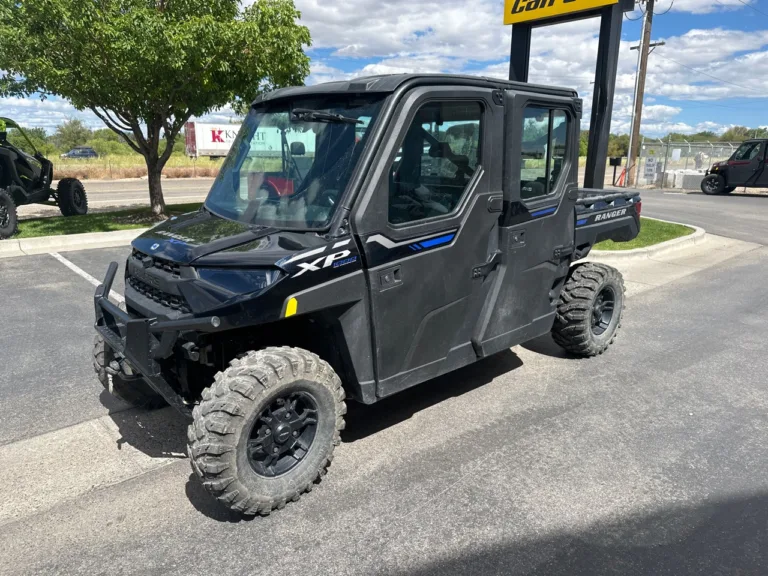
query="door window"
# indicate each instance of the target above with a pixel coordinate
(436, 162)
(543, 150)
(747, 151)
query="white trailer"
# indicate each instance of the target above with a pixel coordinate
(213, 140)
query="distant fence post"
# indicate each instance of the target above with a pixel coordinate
(666, 158)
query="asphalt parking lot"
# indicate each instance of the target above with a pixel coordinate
(650, 459)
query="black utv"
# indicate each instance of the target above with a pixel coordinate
(745, 167)
(408, 226)
(27, 178)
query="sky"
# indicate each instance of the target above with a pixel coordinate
(711, 74)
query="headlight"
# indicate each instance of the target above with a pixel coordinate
(240, 281)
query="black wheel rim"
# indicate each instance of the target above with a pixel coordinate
(282, 434)
(5, 216)
(602, 310)
(711, 184)
(77, 199)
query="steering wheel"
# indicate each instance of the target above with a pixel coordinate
(328, 198)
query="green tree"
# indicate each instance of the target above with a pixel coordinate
(737, 134)
(618, 144)
(583, 142)
(144, 67)
(70, 134)
(108, 135)
(36, 136)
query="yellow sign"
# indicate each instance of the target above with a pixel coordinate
(516, 11)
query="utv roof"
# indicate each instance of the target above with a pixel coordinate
(391, 82)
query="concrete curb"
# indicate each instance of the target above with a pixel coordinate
(67, 243)
(698, 236)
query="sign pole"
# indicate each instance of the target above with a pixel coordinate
(520, 52)
(524, 15)
(602, 97)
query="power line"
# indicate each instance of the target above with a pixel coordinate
(684, 103)
(708, 74)
(667, 10)
(745, 4)
(753, 8)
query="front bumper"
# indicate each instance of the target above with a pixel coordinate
(145, 341)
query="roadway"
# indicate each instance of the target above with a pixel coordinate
(740, 216)
(105, 195)
(650, 459)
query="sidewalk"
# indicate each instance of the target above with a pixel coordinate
(642, 274)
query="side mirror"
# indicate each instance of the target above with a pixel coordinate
(297, 149)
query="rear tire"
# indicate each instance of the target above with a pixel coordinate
(9, 219)
(133, 391)
(713, 184)
(265, 432)
(73, 201)
(590, 309)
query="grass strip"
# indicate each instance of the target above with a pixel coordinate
(651, 232)
(98, 222)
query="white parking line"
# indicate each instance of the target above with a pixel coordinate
(80, 272)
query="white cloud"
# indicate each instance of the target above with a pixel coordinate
(374, 37)
(429, 36)
(47, 114)
(700, 6)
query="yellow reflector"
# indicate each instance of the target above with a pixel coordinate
(290, 308)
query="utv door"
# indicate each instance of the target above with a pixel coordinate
(747, 164)
(537, 227)
(428, 225)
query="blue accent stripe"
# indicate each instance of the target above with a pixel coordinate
(544, 212)
(581, 222)
(437, 241)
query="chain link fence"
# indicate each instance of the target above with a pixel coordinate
(679, 164)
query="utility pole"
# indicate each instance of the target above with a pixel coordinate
(637, 115)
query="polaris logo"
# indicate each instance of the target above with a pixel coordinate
(609, 215)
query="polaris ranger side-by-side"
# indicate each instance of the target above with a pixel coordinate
(431, 221)
(745, 167)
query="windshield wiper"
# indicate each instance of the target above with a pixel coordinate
(307, 115)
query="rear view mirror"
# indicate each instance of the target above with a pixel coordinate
(297, 149)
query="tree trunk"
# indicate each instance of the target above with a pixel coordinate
(154, 172)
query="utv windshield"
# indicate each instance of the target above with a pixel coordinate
(291, 162)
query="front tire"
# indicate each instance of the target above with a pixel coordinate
(133, 391)
(9, 219)
(265, 432)
(72, 199)
(590, 309)
(713, 184)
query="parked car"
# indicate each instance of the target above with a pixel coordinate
(746, 167)
(80, 152)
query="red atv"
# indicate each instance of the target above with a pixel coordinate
(746, 167)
